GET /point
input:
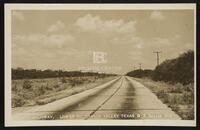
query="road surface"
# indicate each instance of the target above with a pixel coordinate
(121, 98)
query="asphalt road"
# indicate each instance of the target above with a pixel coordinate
(121, 98)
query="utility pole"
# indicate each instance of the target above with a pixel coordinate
(157, 55)
(140, 66)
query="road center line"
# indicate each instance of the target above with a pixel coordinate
(105, 100)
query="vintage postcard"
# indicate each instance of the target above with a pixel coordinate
(100, 64)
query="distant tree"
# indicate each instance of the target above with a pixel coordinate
(140, 73)
(180, 69)
(20, 68)
(21, 73)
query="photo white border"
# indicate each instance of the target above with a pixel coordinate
(7, 29)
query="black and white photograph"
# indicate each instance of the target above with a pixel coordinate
(100, 64)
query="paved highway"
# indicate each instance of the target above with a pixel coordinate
(121, 98)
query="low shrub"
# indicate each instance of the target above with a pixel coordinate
(175, 99)
(27, 84)
(47, 87)
(180, 98)
(176, 88)
(74, 82)
(14, 88)
(188, 98)
(63, 80)
(56, 86)
(17, 101)
(161, 94)
(41, 90)
(28, 94)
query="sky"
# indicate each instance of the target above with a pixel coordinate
(68, 39)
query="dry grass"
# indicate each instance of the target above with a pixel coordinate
(42, 91)
(180, 98)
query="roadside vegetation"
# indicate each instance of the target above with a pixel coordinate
(177, 70)
(180, 98)
(173, 83)
(39, 91)
(20, 73)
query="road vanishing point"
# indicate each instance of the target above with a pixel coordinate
(120, 98)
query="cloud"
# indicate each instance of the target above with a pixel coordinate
(58, 26)
(157, 15)
(20, 51)
(58, 40)
(40, 49)
(157, 41)
(18, 15)
(139, 45)
(177, 37)
(90, 23)
(132, 41)
(126, 39)
(53, 40)
(70, 51)
(135, 55)
(189, 46)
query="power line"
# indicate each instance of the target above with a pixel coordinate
(157, 55)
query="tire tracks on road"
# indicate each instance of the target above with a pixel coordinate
(105, 100)
(57, 114)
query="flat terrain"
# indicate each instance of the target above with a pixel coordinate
(120, 98)
(177, 96)
(31, 92)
